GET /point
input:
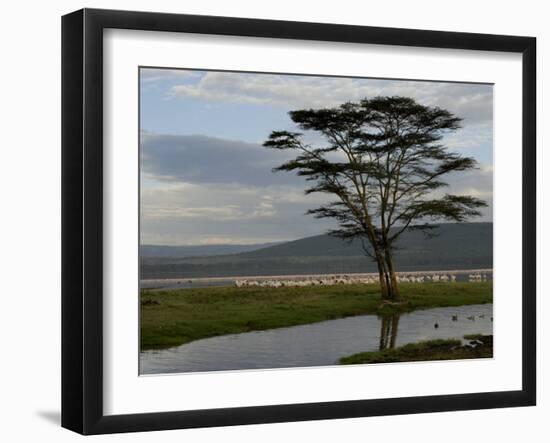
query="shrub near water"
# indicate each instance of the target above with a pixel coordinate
(173, 317)
(427, 350)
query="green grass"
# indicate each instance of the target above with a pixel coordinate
(426, 350)
(173, 317)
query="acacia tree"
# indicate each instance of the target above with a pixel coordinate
(382, 161)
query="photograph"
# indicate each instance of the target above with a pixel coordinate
(297, 220)
(272, 222)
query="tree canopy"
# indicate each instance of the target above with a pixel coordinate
(383, 162)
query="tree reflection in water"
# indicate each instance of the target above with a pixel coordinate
(388, 331)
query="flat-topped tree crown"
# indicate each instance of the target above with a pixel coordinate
(383, 161)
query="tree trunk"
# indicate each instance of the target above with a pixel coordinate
(382, 275)
(386, 272)
(393, 291)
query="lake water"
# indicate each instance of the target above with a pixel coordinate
(317, 344)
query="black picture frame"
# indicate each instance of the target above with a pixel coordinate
(82, 218)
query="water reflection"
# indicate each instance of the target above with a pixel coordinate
(388, 331)
(318, 344)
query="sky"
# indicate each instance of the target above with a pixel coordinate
(206, 179)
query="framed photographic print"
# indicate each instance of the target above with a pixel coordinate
(269, 221)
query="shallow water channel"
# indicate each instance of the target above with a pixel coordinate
(317, 344)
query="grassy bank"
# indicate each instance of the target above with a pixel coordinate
(427, 350)
(173, 317)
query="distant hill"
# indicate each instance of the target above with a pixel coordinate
(451, 240)
(197, 251)
(457, 246)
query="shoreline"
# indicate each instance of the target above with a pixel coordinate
(164, 282)
(171, 318)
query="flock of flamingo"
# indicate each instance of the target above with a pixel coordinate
(350, 279)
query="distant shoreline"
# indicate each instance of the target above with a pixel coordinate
(167, 282)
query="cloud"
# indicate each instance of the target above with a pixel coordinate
(191, 201)
(202, 213)
(199, 189)
(480, 178)
(471, 137)
(473, 102)
(202, 159)
(150, 75)
(183, 213)
(475, 182)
